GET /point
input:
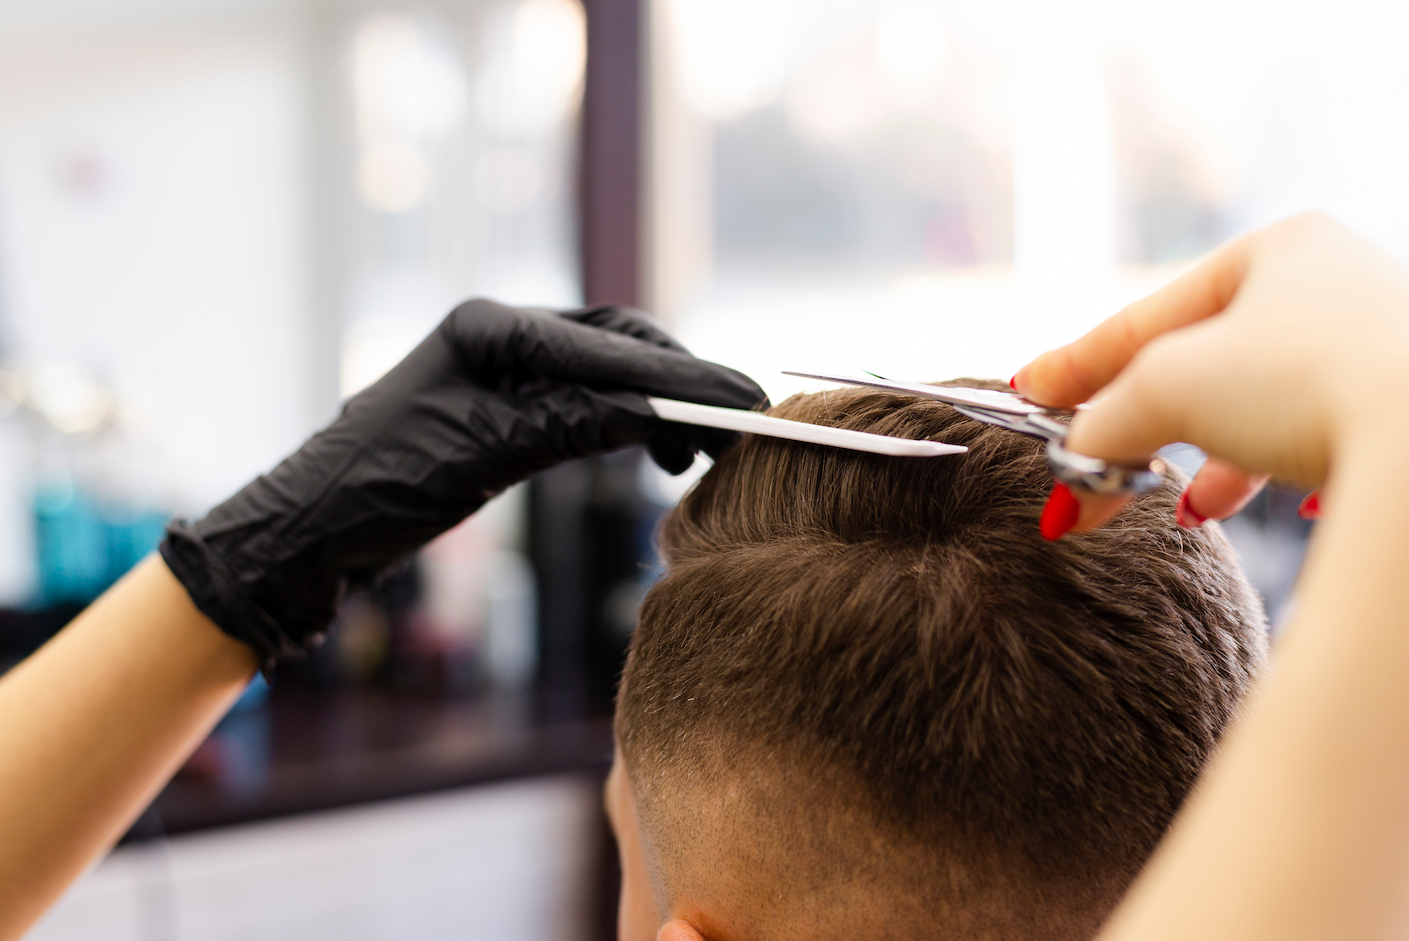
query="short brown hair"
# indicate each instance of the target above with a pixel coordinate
(1019, 719)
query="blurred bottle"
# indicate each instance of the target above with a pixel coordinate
(71, 544)
(97, 492)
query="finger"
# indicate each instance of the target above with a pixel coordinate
(603, 359)
(1152, 403)
(572, 421)
(1310, 507)
(628, 321)
(1149, 406)
(714, 442)
(505, 346)
(1098, 509)
(671, 448)
(1219, 490)
(1070, 509)
(1071, 374)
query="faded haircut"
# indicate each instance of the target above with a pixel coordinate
(874, 672)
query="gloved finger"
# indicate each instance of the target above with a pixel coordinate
(628, 321)
(1070, 375)
(496, 342)
(711, 441)
(671, 448)
(625, 419)
(573, 421)
(714, 441)
(1218, 491)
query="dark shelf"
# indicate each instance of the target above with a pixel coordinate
(306, 751)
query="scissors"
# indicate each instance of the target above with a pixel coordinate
(1012, 411)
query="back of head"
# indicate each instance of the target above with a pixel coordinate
(866, 686)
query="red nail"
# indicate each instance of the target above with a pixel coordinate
(1185, 515)
(1310, 508)
(1059, 514)
(1013, 383)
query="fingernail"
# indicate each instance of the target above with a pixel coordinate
(1013, 383)
(1310, 508)
(1186, 516)
(1059, 514)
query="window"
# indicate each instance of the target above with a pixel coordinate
(930, 188)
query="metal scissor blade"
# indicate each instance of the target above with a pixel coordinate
(988, 416)
(992, 400)
(1036, 425)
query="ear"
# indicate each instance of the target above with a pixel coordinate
(678, 931)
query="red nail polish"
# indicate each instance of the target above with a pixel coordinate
(1310, 508)
(1013, 383)
(1059, 514)
(1185, 515)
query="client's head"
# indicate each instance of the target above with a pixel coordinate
(868, 700)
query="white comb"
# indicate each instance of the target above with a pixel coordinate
(754, 423)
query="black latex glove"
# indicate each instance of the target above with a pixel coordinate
(493, 395)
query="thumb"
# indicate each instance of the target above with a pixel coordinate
(1150, 404)
(1075, 372)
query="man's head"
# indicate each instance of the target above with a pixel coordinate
(867, 699)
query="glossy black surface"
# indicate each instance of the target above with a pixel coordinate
(303, 751)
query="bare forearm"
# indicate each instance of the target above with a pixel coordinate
(1300, 828)
(94, 724)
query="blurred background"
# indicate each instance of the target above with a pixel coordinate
(220, 217)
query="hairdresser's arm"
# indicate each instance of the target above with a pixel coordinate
(93, 724)
(1301, 827)
(1281, 355)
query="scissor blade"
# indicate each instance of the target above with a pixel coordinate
(1035, 425)
(991, 417)
(1005, 402)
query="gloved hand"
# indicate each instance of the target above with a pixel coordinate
(493, 395)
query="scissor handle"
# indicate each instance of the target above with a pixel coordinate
(1077, 470)
(1098, 476)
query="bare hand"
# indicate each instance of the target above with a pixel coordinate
(1269, 356)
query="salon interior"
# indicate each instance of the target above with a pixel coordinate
(220, 218)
